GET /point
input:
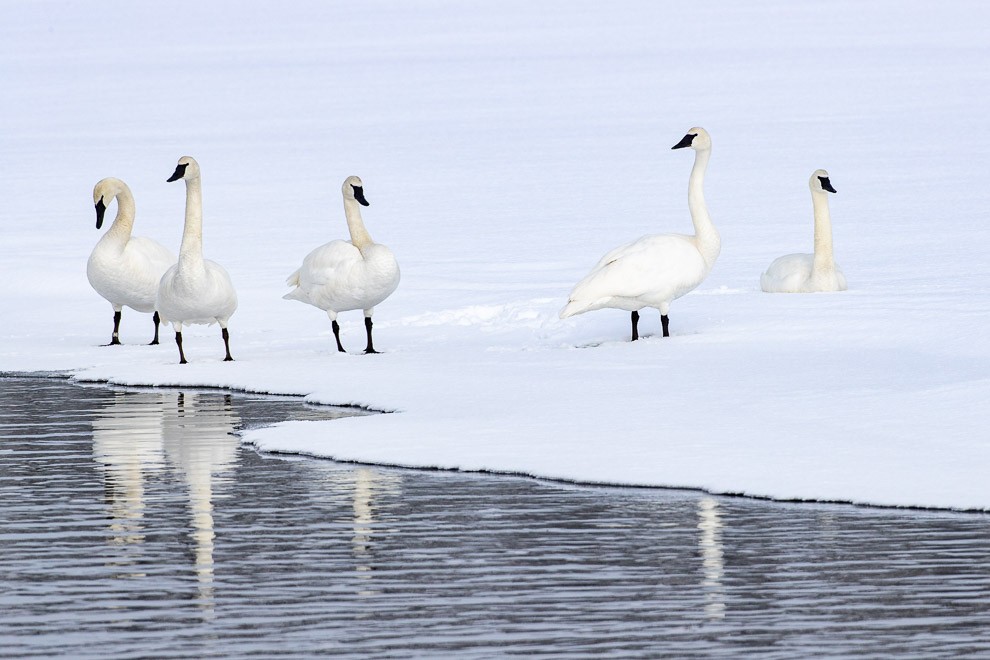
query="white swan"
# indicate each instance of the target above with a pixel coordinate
(125, 269)
(346, 275)
(655, 269)
(195, 290)
(806, 273)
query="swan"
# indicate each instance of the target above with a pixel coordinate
(122, 268)
(195, 290)
(807, 273)
(655, 269)
(345, 275)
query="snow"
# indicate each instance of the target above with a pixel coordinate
(504, 147)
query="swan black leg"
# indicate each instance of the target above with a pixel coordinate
(226, 344)
(336, 335)
(157, 319)
(635, 326)
(367, 326)
(178, 342)
(665, 322)
(115, 338)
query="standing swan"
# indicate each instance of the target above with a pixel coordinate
(125, 269)
(655, 269)
(807, 273)
(195, 290)
(345, 275)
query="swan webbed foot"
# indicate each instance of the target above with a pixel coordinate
(115, 337)
(178, 342)
(336, 336)
(157, 319)
(367, 326)
(635, 326)
(665, 322)
(226, 344)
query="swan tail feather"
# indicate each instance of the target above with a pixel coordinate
(574, 307)
(296, 294)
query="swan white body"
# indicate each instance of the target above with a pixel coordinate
(808, 273)
(195, 290)
(654, 270)
(346, 275)
(122, 268)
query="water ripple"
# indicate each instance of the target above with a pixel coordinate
(134, 524)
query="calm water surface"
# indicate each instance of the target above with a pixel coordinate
(134, 524)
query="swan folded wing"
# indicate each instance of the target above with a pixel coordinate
(327, 264)
(790, 273)
(158, 257)
(653, 268)
(336, 277)
(615, 253)
(130, 277)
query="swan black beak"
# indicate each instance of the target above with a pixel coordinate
(180, 171)
(359, 195)
(101, 208)
(685, 141)
(826, 184)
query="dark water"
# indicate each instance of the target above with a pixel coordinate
(134, 524)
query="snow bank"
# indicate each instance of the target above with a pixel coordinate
(504, 147)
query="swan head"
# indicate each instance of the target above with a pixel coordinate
(820, 183)
(697, 138)
(354, 189)
(103, 193)
(187, 169)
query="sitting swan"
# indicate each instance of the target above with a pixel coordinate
(655, 269)
(346, 275)
(195, 290)
(807, 273)
(125, 269)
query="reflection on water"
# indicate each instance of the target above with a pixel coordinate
(198, 437)
(710, 543)
(127, 442)
(363, 488)
(195, 433)
(134, 524)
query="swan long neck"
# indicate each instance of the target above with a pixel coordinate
(709, 242)
(191, 250)
(355, 225)
(123, 223)
(824, 259)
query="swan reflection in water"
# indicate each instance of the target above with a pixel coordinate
(361, 490)
(194, 433)
(199, 441)
(712, 557)
(127, 443)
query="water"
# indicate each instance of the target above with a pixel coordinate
(134, 524)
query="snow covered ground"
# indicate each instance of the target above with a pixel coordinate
(504, 146)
